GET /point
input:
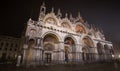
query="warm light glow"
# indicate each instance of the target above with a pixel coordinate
(113, 56)
(80, 29)
(66, 25)
(119, 55)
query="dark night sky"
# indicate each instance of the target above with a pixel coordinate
(102, 13)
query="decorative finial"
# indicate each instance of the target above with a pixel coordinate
(43, 8)
(66, 15)
(42, 11)
(97, 29)
(101, 30)
(80, 18)
(43, 4)
(71, 17)
(59, 13)
(92, 26)
(52, 10)
(30, 19)
(79, 14)
(87, 24)
(59, 10)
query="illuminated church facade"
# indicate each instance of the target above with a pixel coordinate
(53, 39)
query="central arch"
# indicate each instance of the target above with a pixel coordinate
(100, 50)
(70, 48)
(49, 42)
(85, 52)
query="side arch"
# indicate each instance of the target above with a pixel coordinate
(87, 41)
(100, 50)
(80, 29)
(70, 48)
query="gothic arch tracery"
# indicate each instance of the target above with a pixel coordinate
(87, 41)
(51, 19)
(80, 29)
(65, 25)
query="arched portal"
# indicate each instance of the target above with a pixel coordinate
(70, 49)
(108, 53)
(88, 44)
(100, 48)
(87, 41)
(29, 51)
(100, 52)
(107, 49)
(85, 52)
(49, 42)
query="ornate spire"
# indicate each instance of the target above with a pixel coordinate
(79, 14)
(101, 30)
(59, 11)
(91, 26)
(42, 11)
(43, 8)
(80, 18)
(52, 11)
(86, 23)
(30, 19)
(66, 15)
(43, 4)
(71, 17)
(59, 14)
(97, 29)
(94, 27)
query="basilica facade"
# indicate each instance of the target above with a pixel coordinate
(54, 39)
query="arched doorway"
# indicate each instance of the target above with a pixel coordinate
(48, 48)
(70, 49)
(108, 54)
(49, 42)
(29, 52)
(88, 44)
(100, 51)
(107, 49)
(85, 52)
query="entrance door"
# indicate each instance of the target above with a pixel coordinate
(48, 57)
(84, 56)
